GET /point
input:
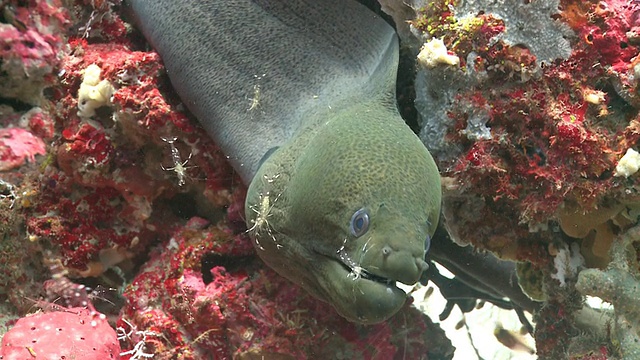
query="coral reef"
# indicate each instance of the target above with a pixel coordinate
(526, 132)
(107, 178)
(108, 175)
(507, 129)
(528, 23)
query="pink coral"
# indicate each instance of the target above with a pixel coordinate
(68, 334)
(30, 45)
(16, 145)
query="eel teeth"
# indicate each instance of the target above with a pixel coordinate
(357, 272)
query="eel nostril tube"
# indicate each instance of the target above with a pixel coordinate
(386, 251)
(421, 264)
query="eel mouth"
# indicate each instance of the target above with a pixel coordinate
(357, 272)
(362, 273)
(356, 293)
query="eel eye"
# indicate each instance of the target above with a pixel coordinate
(359, 222)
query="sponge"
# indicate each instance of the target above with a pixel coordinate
(93, 92)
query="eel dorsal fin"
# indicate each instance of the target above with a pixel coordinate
(250, 70)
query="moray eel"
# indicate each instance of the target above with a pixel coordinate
(343, 197)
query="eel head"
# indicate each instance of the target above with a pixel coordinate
(347, 211)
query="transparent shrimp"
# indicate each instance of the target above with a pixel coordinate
(179, 166)
(263, 211)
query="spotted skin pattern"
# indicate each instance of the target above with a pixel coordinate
(327, 106)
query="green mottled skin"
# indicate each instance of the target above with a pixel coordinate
(321, 178)
(327, 104)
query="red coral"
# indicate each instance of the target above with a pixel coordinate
(88, 146)
(108, 177)
(83, 226)
(544, 143)
(40, 123)
(603, 35)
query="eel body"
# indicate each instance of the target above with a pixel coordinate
(300, 95)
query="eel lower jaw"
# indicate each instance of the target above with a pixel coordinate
(357, 294)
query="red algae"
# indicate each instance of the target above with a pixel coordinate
(100, 194)
(112, 165)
